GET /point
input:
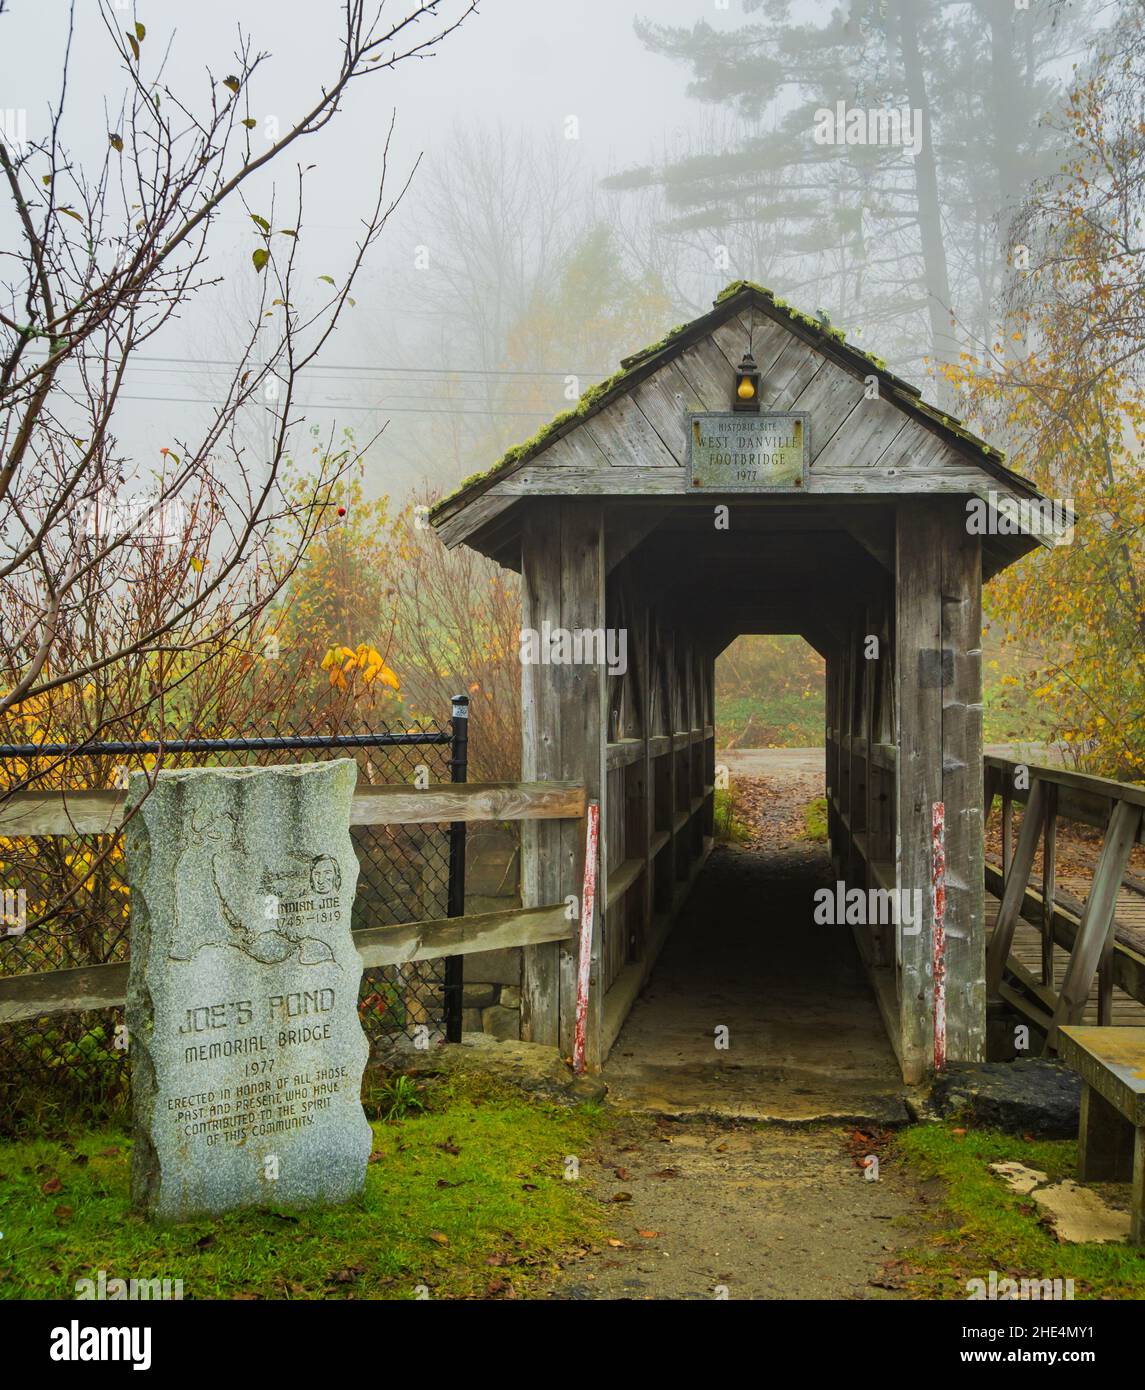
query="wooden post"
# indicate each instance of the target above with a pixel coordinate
(938, 917)
(1105, 1140)
(710, 745)
(939, 716)
(962, 790)
(648, 807)
(1007, 826)
(1014, 889)
(938, 712)
(563, 727)
(831, 740)
(845, 699)
(1095, 935)
(584, 939)
(540, 758)
(1049, 882)
(668, 642)
(859, 723)
(918, 671)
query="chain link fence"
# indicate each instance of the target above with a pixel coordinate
(65, 900)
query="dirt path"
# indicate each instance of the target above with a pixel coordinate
(762, 1212)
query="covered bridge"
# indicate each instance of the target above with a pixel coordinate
(753, 473)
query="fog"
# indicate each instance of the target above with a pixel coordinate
(455, 342)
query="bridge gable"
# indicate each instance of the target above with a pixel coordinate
(870, 431)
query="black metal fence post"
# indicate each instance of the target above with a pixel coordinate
(458, 771)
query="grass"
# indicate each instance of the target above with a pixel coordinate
(815, 820)
(465, 1198)
(728, 825)
(782, 719)
(395, 1099)
(993, 1228)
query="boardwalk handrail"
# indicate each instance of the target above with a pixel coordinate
(1050, 794)
(31, 996)
(1089, 790)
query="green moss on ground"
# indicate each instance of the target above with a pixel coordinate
(988, 1227)
(467, 1198)
(815, 820)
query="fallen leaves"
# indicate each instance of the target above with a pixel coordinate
(861, 1144)
(773, 810)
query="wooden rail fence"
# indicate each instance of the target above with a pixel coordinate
(861, 797)
(67, 813)
(1050, 795)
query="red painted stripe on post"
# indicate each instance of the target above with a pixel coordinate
(587, 909)
(938, 908)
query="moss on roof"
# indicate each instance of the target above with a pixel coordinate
(819, 326)
(596, 397)
(525, 450)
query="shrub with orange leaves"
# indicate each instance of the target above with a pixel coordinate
(343, 662)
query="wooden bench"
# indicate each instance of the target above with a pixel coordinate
(1111, 1133)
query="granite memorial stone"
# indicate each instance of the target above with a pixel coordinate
(247, 1050)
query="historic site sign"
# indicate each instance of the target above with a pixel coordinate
(247, 1051)
(740, 452)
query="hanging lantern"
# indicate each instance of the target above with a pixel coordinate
(746, 396)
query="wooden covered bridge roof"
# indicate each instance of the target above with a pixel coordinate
(626, 439)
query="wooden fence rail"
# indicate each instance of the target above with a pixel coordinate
(1050, 795)
(31, 996)
(102, 812)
